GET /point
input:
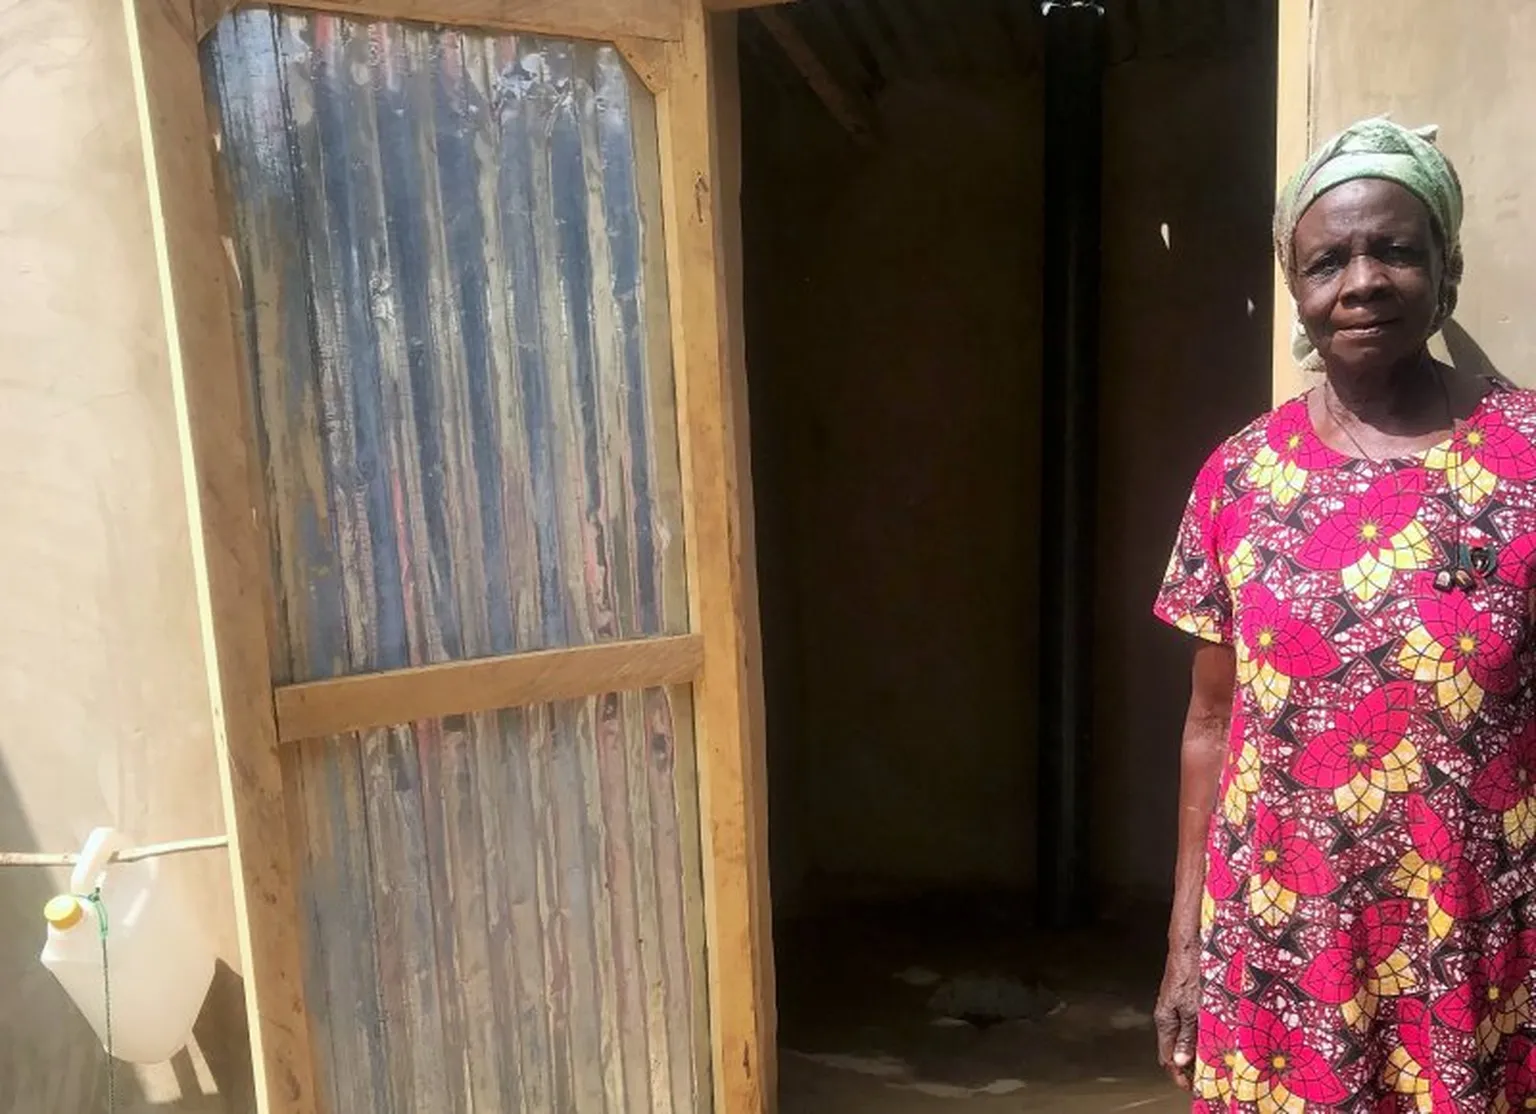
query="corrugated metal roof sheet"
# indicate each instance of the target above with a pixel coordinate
(872, 44)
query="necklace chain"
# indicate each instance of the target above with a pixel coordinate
(1353, 440)
(1445, 396)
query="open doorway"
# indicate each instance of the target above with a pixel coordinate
(893, 177)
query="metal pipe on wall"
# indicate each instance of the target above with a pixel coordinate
(1074, 67)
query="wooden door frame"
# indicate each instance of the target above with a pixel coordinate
(1293, 142)
(667, 42)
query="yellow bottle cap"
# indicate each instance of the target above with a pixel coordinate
(63, 912)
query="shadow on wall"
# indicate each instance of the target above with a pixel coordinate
(1467, 354)
(50, 1059)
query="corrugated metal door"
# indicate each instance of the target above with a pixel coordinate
(453, 296)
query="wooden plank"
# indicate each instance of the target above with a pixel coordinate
(316, 709)
(731, 796)
(229, 555)
(604, 20)
(1293, 142)
(648, 58)
(741, 5)
(725, 86)
(668, 887)
(848, 107)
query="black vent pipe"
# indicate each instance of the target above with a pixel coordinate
(1074, 69)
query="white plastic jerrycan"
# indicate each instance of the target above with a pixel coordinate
(158, 958)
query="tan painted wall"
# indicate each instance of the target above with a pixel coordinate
(1465, 67)
(106, 716)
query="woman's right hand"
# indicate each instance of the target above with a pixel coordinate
(1202, 756)
(1177, 1013)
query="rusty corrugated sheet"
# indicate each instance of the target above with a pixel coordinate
(455, 318)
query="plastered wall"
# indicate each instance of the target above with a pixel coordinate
(892, 340)
(893, 352)
(105, 713)
(1188, 188)
(1465, 67)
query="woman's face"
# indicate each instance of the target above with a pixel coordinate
(1367, 275)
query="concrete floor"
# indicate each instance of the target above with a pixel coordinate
(859, 1030)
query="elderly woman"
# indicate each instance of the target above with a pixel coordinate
(1354, 924)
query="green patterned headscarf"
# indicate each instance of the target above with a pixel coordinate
(1376, 148)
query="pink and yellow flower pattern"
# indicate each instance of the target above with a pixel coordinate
(1286, 867)
(1373, 536)
(1518, 1094)
(1275, 646)
(1243, 775)
(1276, 1069)
(1215, 1061)
(1459, 650)
(1287, 455)
(1239, 559)
(1366, 755)
(1221, 886)
(1507, 786)
(1486, 450)
(1437, 871)
(1495, 1003)
(1410, 1067)
(1371, 865)
(1363, 964)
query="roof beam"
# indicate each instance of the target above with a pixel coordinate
(848, 107)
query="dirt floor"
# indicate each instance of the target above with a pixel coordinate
(959, 1006)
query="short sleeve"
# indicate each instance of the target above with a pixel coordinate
(1194, 596)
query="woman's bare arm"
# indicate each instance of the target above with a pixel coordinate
(1201, 759)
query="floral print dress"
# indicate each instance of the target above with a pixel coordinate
(1369, 916)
